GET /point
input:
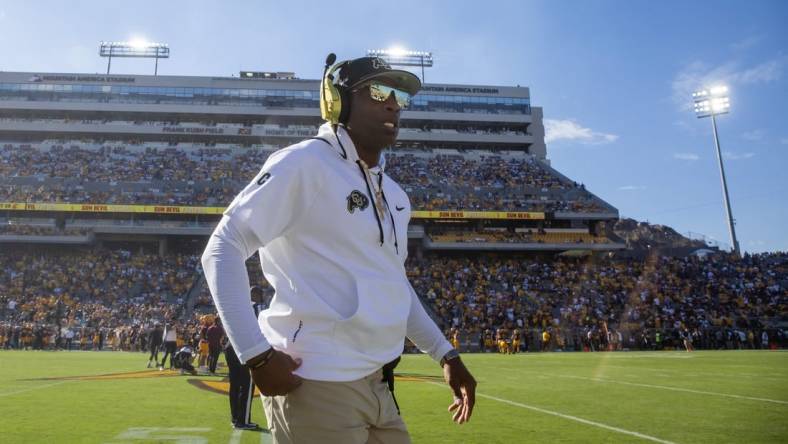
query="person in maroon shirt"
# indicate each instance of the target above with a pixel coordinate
(214, 335)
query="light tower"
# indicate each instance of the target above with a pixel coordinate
(404, 57)
(137, 49)
(709, 103)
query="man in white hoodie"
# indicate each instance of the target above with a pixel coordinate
(331, 230)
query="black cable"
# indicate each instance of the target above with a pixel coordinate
(344, 153)
(388, 378)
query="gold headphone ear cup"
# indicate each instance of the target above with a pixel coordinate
(335, 105)
(326, 100)
(330, 97)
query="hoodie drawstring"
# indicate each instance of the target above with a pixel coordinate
(365, 173)
(379, 198)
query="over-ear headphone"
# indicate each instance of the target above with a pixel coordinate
(331, 97)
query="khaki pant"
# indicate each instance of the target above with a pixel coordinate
(356, 412)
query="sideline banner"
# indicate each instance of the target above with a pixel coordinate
(476, 215)
(109, 208)
(174, 209)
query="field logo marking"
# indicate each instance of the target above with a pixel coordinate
(265, 437)
(180, 435)
(569, 417)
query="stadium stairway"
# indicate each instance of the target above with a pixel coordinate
(566, 179)
(194, 291)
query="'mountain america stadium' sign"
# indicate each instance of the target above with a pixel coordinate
(104, 79)
(461, 89)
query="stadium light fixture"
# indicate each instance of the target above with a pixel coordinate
(711, 102)
(403, 57)
(136, 48)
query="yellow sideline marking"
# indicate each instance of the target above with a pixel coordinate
(221, 387)
(569, 417)
(415, 377)
(125, 375)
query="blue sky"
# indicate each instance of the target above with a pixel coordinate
(614, 78)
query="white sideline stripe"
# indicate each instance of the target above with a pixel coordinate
(29, 389)
(677, 389)
(236, 437)
(704, 375)
(569, 417)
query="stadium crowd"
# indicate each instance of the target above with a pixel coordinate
(40, 230)
(102, 294)
(97, 299)
(503, 235)
(208, 176)
(720, 302)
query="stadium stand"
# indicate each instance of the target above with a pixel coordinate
(717, 299)
(72, 171)
(110, 185)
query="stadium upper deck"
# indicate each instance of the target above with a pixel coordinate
(441, 116)
(138, 148)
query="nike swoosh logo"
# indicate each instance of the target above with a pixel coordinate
(399, 208)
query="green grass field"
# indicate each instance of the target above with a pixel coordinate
(713, 397)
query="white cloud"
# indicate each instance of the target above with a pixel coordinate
(734, 156)
(686, 156)
(698, 75)
(570, 130)
(632, 188)
(765, 72)
(754, 135)
(746, 43)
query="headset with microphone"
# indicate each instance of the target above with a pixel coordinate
(333, 111)
(331, 97)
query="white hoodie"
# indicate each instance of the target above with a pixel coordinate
(170, 334)
(343, 302)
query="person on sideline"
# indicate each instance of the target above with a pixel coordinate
(331, 230)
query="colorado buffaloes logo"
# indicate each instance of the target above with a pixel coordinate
(357, 200)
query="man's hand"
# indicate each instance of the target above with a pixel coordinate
(276, 376)
(464, 387)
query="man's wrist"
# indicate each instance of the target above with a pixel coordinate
(449, 356)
